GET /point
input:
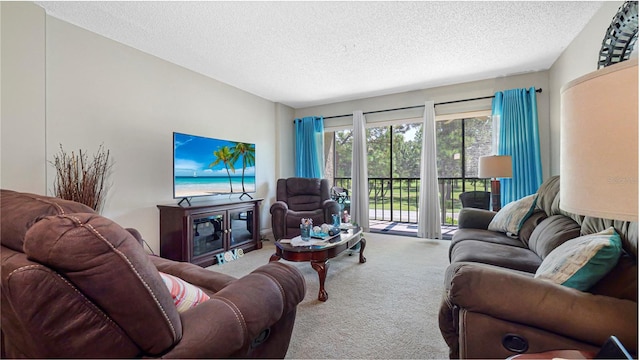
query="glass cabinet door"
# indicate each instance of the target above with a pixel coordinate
(241, 225)
(208, 234)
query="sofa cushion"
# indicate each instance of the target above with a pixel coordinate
(108, 265)
(530, 225)
(507, 256)
(185, 295)
(510, 218)
(621, 282)
(44, 314)
(548, 200)
(581, 262)
(485, 235)
(21, 210)
(303, 194)
(628, 231)
(551, 232)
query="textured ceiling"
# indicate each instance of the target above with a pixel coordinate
(311, 53)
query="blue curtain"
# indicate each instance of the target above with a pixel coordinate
(309, 147)
(518, 136)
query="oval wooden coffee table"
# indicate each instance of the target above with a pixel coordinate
(319, 254)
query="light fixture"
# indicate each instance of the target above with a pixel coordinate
(494, 167)
(599, 143)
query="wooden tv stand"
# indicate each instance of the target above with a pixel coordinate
(199, 232)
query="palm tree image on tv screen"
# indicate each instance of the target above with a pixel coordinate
(208, 166)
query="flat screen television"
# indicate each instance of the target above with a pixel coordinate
(204, 166)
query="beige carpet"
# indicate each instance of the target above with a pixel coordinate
(386, 308)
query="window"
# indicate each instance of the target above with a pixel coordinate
(394, 153)
(343, 141)
(400, 157)
(460, 143)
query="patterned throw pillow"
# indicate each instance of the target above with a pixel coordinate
(510, 218)
(581, 262)
(185, 295)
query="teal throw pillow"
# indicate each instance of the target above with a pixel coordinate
(510, 218)
(581, 262)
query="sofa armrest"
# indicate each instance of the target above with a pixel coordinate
(136, 234)
(278, 212)
(472, 218)
(228, 324)
(517, 297)
(330, 207)
(279, 206)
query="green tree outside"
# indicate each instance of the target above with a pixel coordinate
(393, 152)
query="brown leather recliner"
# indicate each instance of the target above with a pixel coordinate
(77, 285)
(298, 198)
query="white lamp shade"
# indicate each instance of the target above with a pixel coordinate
(495, 166)
(599, 143)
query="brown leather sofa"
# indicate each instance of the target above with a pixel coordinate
(77, 285)
(298, 198)
(493, 307)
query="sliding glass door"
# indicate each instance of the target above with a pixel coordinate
(394, 165)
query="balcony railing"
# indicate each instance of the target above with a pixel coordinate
(396, 199)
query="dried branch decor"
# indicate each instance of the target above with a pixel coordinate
(82, 181)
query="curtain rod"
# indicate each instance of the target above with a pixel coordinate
(419, 106)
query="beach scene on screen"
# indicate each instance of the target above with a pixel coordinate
(208, 166)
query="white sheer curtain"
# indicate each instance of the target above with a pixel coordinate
(429, 207)
(359, 175)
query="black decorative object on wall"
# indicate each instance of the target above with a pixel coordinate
(621, 35)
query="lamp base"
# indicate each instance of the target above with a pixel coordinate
(495, 195)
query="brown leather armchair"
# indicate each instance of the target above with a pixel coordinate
(77, 285)
(298, 198)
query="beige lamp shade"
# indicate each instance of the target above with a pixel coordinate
(599, 143)
(495, 166)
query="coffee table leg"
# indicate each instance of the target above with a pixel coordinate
(321, 268)
(363, 244)
(274, 257)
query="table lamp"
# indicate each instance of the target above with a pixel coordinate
(599, 143)
(494, 167)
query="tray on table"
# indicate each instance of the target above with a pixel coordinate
(323, 235)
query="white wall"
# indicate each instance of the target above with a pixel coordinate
(23, 157)
(442, 94)
(285, 146)
(579, 58)
(99, 91)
